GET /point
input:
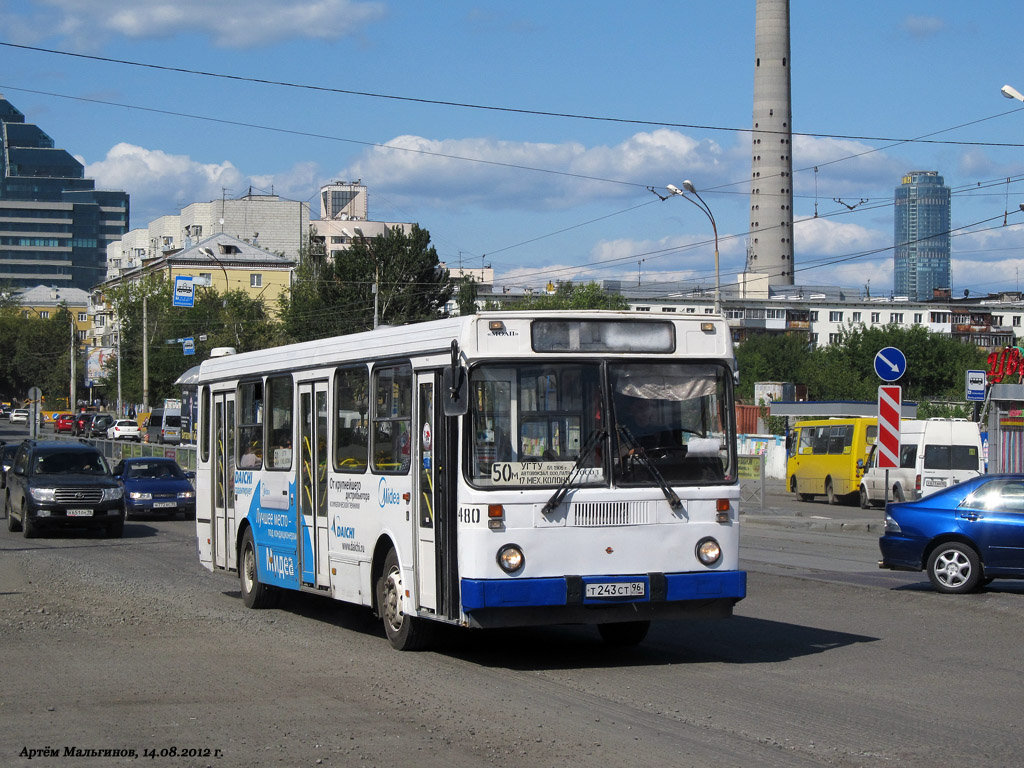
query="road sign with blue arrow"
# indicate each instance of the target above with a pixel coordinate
(890, 364)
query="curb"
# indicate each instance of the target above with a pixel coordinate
(805, 523)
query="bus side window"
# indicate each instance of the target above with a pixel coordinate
(279, 426)
(351, 405)
(250, 425)
(392, 418)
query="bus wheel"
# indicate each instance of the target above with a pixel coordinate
(830, 492)
(624, 633)
(405, 633)
(254, 593)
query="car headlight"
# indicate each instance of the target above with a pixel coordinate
(708, 551)
(43, 494)
(140, 496)
(112, 494)
(891, 526)
(511, 558)
(187, 495)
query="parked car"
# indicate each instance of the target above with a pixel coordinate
(99, 425)
(81, 424)
(19, 416)
(963, 536)
(63, 422)
(60, 483)
(156, 485)
(124, 429)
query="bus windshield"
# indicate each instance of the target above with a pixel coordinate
(530, 424)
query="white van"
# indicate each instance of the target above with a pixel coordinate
(164, 426)
(934, 454)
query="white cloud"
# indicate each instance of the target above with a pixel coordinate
(829, 237)
(160, 183)
(844, 166)
(230, 23)
(440, 171)
(156, 180)
(923, 27)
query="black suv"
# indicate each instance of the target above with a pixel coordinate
(99, 425)
(61, 483)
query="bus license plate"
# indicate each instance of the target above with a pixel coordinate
(616, 589)
(79, 513)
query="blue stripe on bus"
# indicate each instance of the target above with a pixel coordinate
(511, 593)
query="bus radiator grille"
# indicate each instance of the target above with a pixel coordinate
(597, 514)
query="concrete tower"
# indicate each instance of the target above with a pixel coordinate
(770, 251)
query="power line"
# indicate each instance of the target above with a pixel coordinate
(492, 107)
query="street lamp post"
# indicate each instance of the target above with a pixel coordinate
(688, 186)
(1011, 93)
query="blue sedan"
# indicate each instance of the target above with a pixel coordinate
(155, 485)
(964, 536)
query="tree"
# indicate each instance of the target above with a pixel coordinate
(466, 295)
(936, 363)
(37, 354)
(331, 296)
(573, 296)
(771, 357)
(216, 320)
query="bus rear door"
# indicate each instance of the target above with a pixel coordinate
(312, 483)
(223, 476)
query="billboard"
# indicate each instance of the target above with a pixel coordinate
(95, 359)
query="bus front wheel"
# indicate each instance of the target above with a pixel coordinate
(255, 594)
(625, 633)
(405, 632)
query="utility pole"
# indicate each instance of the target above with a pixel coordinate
(74, 339)
(145, 358)
(120, 411)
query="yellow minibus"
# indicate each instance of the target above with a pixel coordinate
(827, 457)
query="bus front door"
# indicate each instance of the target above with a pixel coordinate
(223, 485)
(312, 483)
(425, 491)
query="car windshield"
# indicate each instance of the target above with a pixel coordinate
(155, 471)
(78, 462)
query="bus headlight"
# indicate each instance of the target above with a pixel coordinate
(708, 551)
(511, 558)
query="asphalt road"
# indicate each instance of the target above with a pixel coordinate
(129, 645)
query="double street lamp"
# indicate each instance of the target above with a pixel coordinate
(688, 186)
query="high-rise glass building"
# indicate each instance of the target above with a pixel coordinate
(54, 224)
(921, 256)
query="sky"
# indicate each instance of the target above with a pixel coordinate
(528, 136)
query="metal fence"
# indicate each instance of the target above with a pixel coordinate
(115, 450)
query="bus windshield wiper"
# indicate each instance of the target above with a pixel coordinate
(640, 455)
(593, 439)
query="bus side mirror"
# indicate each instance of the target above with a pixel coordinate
(453, 395)
(453, 384)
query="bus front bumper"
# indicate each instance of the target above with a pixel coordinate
(562, 600)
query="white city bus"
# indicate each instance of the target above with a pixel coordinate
(502, 469)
